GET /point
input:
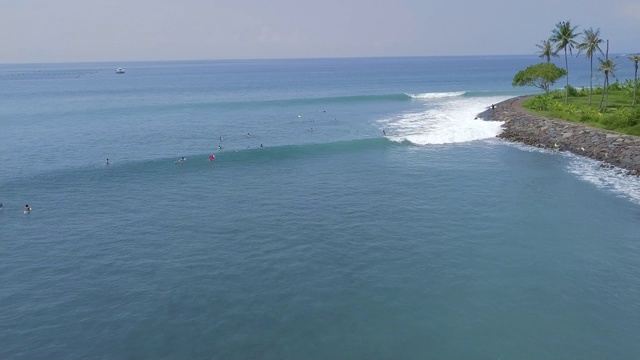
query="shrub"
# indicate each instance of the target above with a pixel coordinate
(572, 91)
(634, 117)
(615, 86)
(613, 121)
(634, 130)
(539, 102)
(583, 91)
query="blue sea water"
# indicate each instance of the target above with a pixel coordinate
(311, 235)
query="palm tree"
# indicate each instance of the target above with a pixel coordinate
(635, 58)
(607, 66)
(591, 43)
(563, 36)
(546, 50)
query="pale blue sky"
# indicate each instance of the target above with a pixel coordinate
(118, 30)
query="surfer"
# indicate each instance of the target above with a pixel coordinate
(219, 147)
(27, 209)
(1, 207)
(107, 161)
(212, 157)
(384, 133)
(248, 135)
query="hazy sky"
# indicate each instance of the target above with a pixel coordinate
(118, 30)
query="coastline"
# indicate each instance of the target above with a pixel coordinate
(611, 148)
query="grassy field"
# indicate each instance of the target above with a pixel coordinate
(619, 114)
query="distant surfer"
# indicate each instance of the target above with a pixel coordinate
(261, 145)
(220, 138)
(248, 135)
(181, 160)
(384, 133)
(219, 147)
(212, 157)
(107, 161)
(1, 207)
(27, 209)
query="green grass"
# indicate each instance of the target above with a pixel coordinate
(619, 115)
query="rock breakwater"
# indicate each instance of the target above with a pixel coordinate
(609, 147)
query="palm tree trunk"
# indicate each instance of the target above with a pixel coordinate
(606, 90)
(566, 66)
(635, 84)
(591, 81)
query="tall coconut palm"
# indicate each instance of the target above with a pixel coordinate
(591, 44)
(564, 37)
(608, 67)
(546, 50)
(635, 58)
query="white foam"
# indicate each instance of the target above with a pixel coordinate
(607, 178)
(450, 120)
(603, 177)
(436, 95)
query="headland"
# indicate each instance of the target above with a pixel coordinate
(520, 125)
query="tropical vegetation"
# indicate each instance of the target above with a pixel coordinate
(591, 44)
(541, 75)
(618, 108)
(564, 37)
(546, 50)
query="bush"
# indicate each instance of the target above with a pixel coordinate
(634, 117)
(614, 121)
(634, 130)
(615, 86)
(539, 102)
(584, 91)
(572, 91)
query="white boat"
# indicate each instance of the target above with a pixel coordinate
(119, 71)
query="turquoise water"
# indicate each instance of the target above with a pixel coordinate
(330, 241)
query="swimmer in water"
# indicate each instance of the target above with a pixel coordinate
(219, 147)
(107, 161)
(384, 132)
(212, 157)
(248, 135)
(27, 209)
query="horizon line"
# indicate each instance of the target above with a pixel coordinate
(257, 59)
(283, 58)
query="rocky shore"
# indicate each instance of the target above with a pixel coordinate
(612, 149)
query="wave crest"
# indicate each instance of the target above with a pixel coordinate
(450, 120)
(436, 95)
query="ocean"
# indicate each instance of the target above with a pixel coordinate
(312, 235)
